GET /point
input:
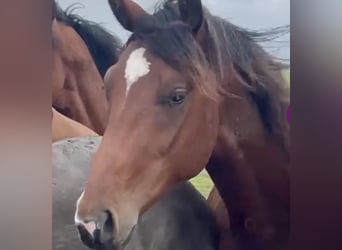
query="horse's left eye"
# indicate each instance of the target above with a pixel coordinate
(178, 96)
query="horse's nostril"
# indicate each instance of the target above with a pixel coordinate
(85, 236)
(105, 229)
(97, 234)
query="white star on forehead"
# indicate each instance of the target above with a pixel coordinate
(136, 67)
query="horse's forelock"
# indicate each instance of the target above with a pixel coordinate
(224, 47)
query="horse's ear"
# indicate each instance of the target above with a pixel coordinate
(127, 12)
(191, 12)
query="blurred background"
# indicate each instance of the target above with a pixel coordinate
(251, 14)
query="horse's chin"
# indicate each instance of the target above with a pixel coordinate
(95, 240)
(101, 240)
(122, 242)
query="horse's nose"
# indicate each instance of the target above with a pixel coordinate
(97, 233)
(103, 224)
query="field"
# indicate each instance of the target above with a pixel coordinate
(287, 76)
(202, 182)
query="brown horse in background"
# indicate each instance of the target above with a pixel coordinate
(82, 53)
(64, 127)
(193, 91)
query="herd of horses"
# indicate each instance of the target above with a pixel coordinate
(133, 122)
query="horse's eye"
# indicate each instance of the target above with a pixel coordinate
(177, 96)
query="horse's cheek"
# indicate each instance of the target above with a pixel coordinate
(211, 124)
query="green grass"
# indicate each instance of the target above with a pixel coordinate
(287, 75)
(202, 183)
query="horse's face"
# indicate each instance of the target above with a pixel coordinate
(162, 130)
(77, 87)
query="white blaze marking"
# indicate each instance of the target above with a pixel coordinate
(136, 67)
(76, 219)
(91, 226)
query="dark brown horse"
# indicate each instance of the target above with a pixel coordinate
(82, 53)
(193, 91)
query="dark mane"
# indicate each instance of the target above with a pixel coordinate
(225, 46)
(103, 46)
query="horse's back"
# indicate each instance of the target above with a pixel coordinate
(180, 220)
(69, 165)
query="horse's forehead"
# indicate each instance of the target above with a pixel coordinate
(137, 66)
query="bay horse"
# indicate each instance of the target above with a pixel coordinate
(64, 127)
(193, 91)
(180, 220)
(82, 53)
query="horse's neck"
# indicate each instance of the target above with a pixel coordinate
(85, 92)
(251, 173)
(85, 97)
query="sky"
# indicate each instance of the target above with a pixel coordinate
(251, 14)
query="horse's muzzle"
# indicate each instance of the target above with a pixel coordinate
(98, 234)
